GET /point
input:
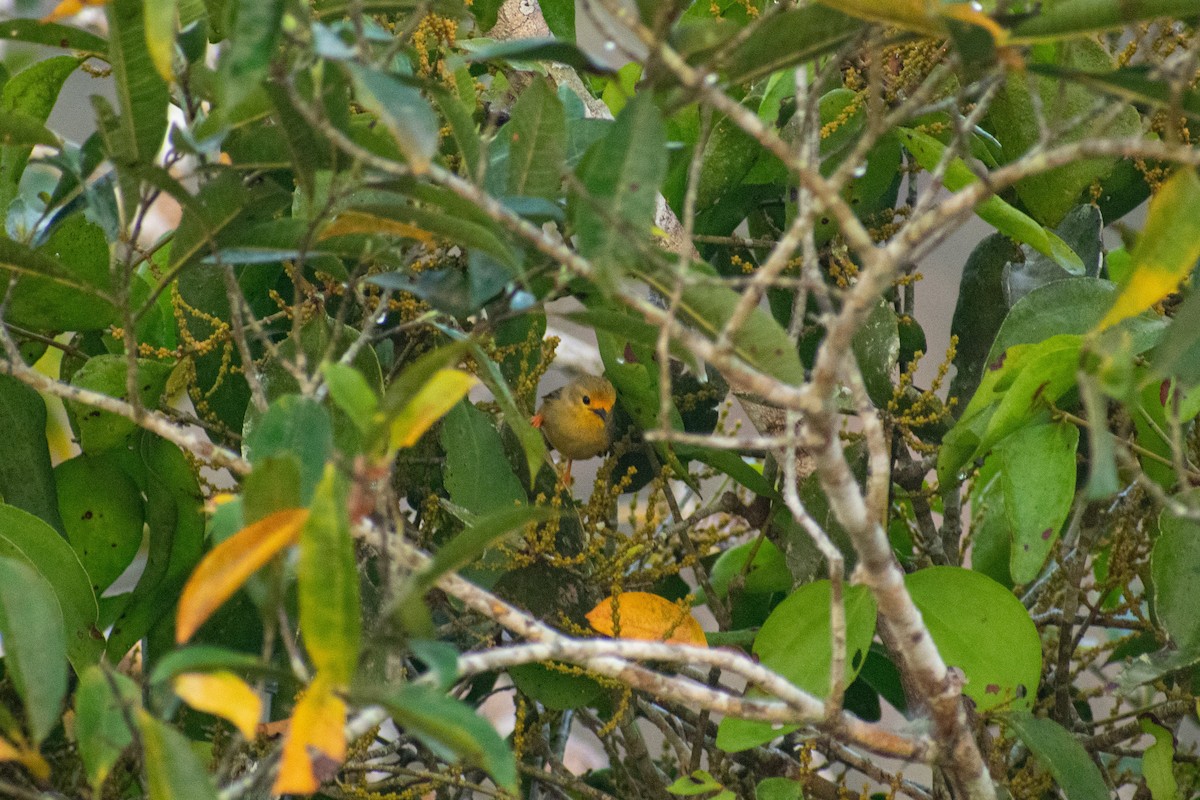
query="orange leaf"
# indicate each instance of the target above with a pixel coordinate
(316, 742)
(221, 694)
(274, 729)
(641, 615)
(22, 754)
(229, 564)
(69, 8)
(361, 222)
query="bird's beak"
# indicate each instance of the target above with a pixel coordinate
(601, 413)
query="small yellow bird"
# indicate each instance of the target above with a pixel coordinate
(577, 419)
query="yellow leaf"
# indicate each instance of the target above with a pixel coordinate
(349, 222)
(69, 8)
(1166, 250)
(964, 12)
(25, 756)
(917, 15)
(221, 694)
(217, 500)
(922, 16)
(431, 402)
(229, 564)
(159, 18)
(641, 615)
(316, 743)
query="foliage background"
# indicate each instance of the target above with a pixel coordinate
(980, 568)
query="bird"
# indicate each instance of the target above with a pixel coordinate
(577, 419)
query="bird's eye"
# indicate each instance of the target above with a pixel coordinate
(587, 401)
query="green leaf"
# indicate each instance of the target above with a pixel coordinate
(462, 124)
(26, 538)
(65, 283)
(1140, 84)
(633, 329)
(876, 347)
(1071, 17)
(1061, 753)
(35, 646)
(767, 573)
(638, 391)
(699, 782)
(17, 129)
(533, 444)
(1148, 667)
(881, 674)
(451, 729)
(537, 142)
(296, 425)
(329, 594)
(560, 17)
(1045, 373)
(104, 528)
(991, 534)
(1178, 354)
(1103, 479)
(53, 34)
(102, 430)
(173, 770)
(1151, 408)
(208, 658)
(101, 730)
(1016, 120)
(555, 688)
(26, 477)
(141, 91)
(446, 290)
(441, 222)
(1038, 315)
(795, 642)
(981, 628)
(32, 92)
(402, 110)
(1158, 760)
(247, 56)
(337, 9)
(790, 38)
(732, 465)
(761, 342)
(478, 475)
(350, 390)
(273, 485)
(928, 152)
(175, 519)
(1036, 470)
(978, 313)
(621, 176)
(161, 17)
(555, 50)
(470, 543)
(1080, 229)
(218, 203)
(320, 338)
(1174, 564)
(779, 789)
(728, 155)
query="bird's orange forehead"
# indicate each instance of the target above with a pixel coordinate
(604, 398)
(599, 391)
